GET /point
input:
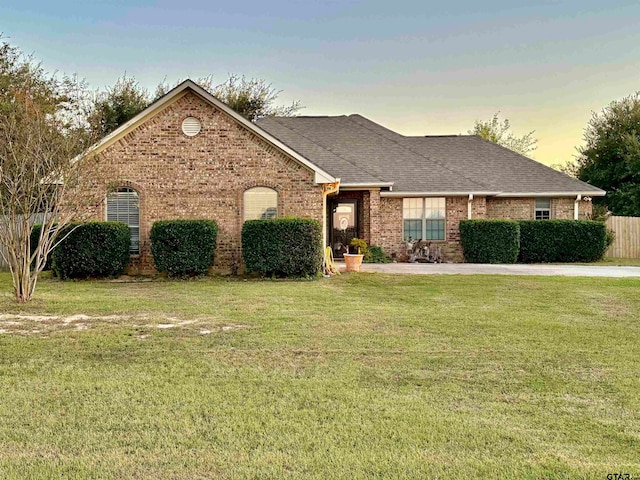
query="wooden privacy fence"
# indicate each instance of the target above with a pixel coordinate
(627, 242)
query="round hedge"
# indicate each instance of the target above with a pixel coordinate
(282, 247)
(562, 241)
(490, 241)
(92, 250)
(183, 247)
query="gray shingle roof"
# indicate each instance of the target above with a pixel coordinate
(361, 151)
(495, 166)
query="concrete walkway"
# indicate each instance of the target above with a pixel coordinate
(486, 269)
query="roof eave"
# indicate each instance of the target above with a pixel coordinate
(583, 193)
(365, 185)
(438, 194)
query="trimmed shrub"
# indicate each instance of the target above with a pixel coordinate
(282, 247)
(35, 238)
(490, 241)
(358, 246)
(544, 241)
(375, 254)
(93, 249)
(184, 247)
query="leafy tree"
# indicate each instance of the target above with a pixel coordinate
(116, 106)
(40, 180)
(610, 157)
(253, 98)
(497, 131)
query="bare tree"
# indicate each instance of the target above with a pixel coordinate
(41, 178)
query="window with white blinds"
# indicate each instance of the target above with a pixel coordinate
(123, 205)
(543, 209)
(260, 203)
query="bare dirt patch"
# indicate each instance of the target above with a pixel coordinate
(24, 324)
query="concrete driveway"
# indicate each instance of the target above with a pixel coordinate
(487, 269)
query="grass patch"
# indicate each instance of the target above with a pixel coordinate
(358, 376)
(622, 262)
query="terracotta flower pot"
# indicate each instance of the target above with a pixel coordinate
(353, 261)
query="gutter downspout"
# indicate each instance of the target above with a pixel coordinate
(576, 207)
(469, 206)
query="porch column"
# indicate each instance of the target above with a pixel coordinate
(374, 217)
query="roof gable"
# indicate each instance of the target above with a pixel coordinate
(321, 176)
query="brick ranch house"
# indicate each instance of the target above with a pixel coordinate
(188, 155)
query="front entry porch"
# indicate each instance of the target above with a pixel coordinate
(352, 214)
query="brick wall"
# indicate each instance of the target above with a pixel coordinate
(511, 208)
(391, 224)
(524, 208)
(391, 240)
(203, 176)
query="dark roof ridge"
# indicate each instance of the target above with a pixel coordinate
(456, 172)
(325, 148)
(275, 117)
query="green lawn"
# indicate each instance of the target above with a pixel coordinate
(359, 376)
(623, 262)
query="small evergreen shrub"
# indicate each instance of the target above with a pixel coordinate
(358, 246)
(282, 247)
(490, 241)
(93, 249)
(544, 241)
(183, 247)
(35, 238)
(375, 254)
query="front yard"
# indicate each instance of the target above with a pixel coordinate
(359, 376)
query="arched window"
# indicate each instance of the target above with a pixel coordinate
(123, 205)
(260, 203)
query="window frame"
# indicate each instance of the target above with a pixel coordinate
(134, 249)
(427, 207)
(276, 205)
(544, 212)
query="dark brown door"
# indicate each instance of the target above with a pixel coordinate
(343, 220)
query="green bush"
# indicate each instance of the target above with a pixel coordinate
(93, 249)
(490, 241)
(35, 238)
(610, 238)
(283, 247)
(544, 241)
(358, 246)
(376, 255)
(183, 247)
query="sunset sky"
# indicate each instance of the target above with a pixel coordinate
(416, 67)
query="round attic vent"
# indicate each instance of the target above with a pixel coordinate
(191, 126)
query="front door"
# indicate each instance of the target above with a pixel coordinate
(343, 220)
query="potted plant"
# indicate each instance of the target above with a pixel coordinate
(353, 261)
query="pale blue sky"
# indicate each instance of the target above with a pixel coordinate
(416, 67)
